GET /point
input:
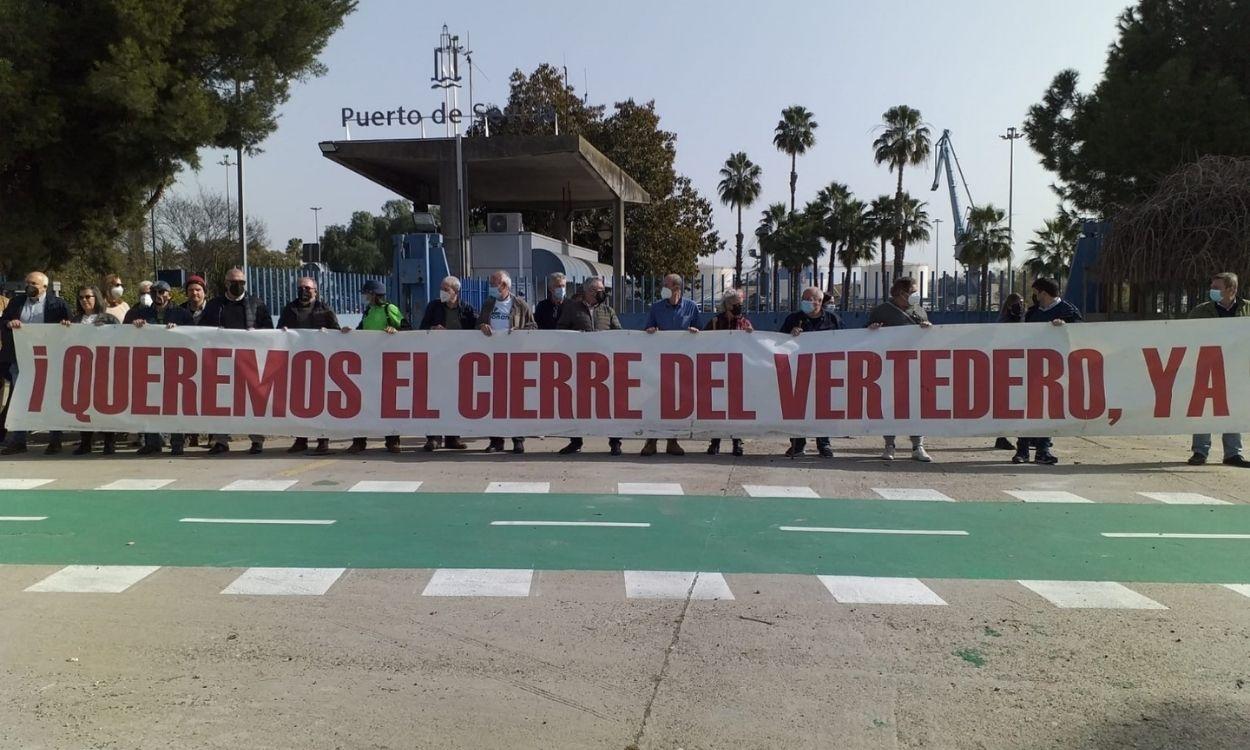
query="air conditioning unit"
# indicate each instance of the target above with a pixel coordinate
(504, 223)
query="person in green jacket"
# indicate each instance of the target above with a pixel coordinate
(379, 315)
(1224, 303)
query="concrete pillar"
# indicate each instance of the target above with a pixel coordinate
(449, 207)
(618, 254)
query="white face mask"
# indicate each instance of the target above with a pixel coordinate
(831, 308)
(913, 299)
(145, 299)
(116, 292)
(444, 296)
(366, 300)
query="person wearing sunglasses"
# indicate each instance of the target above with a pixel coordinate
(90, 310)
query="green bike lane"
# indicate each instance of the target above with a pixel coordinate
(724, 534)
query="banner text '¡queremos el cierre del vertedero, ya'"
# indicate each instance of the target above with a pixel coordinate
(1165, 377)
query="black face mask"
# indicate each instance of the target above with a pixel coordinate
(600, 296)
(32, 290)
(1017, 309)
(236, 287)
(735, 309)
(305, 295)
(1035, 299)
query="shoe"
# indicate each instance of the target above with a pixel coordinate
(1197, 459)
(518, 446)
(109, 449)
(614, 447)
(1237, 461)
(921, 455)
(888, 453)
(299, 446)
(574, 446)
(737, 451)
(1021, 457)
(218, 448)
(323, 447)
(175, 450)
(648, 448)
(10, 450)
(494, 446)
(713, 447)
(673, 448)
(53, 448)
(1003, 444)
(795, 450)
(454, 443)
(358, 445)
(392, 446)
(148, 450)
(429, 446)
(193, 441)
(825, 451)
(82, 449)
(1046, 458)
(256, 448)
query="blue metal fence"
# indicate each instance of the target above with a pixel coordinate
(341, 291)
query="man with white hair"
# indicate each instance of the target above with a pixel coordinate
(36, 306)
(547, 312)
(811, 317)
(448, 313)
(588, 312)
(672, 313)
(730, 318)
(504, 312)
(308, 312)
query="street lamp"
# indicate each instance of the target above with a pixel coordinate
(937, 261)
(316, 230)
(225, 162)
(1011, 136)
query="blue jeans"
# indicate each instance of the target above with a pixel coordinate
(18, 437)
(1232, 444)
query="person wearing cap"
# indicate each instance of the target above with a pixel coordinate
(308, 312)
(197, 297)
(160, 315)
(379, 315)
(235, 309)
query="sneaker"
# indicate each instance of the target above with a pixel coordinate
(826, 451)
(1237, 461)
(737, 451)
(1021, 457)
(256, 448)
(218, 448)
(495, 445)
(795, 450)
(713, 448)
(1003, 444)
(518, 446)
(674, 449)
(12, 449)
(888, 453)
(429, 446)
(1197, 460)
(574, 446)
(358, 445)
(614, 447)
(299, 446)
(648, 448)
(1047, 458)
(921, 455)
(323, 447)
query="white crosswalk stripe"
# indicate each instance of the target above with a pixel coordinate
(665, 584)
(23, 484)
(136, 485)
(479, 582)
(1183, 498)
(1090, 595)
(259, 485)
(377, 485)
(894, 493)
(93, 579)
(519, 487)
(649, 488)
(1046, 496)
(876, 590)
(1240, 588)
(284, 581)
(778, 490)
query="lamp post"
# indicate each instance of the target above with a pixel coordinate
(937, 261)
(225, 162)
(316, 230)
(1011, 136)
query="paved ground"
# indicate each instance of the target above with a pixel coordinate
(466, 600)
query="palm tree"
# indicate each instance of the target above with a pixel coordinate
(1053, 247)
(794, 135)
(794, 243)
(739, 187)
(986, 241)
(882, 214)
(905, 141)
(770, 220)
(859, 243)
(831, 213)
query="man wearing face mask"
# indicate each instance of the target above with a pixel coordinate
(448, 313)
(811, 318)
(673, 313)
(902, 309)
(379, 315)
(589, 311)
(308, 312)
(36, 307)
(161, 314)
(730, 318)
(504, 312)
(1222, 303)
(547, 312)
(145, 293)
(236, 310)
(1048, 307)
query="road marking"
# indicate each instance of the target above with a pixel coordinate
(604, 524)
(1047, 496)
(1240, 588)
(259, 485)
(875, 590)
(479, 582)
(520, 487)
(284, 581)
(378, 485)
(894, 493)
(649, 488)
(23, 484)
(900, 532)
(136, 485)
(94, 579)
(1183, 498)
(665, 584)
(778, 490)
(1168, 535)
(1090, 595)
(23, 518)
(308, 466)
(275, 521)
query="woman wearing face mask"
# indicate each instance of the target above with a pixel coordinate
(902, 309)
(811, 318)
(113, 303)
(730, 318)
(89, 310)
(1012, 312)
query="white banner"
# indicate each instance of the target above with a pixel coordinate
(1174, 377)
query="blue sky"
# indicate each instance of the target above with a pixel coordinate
(720, 73)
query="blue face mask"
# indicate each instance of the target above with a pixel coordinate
(557, 294)
(494, 292)
(807, 306)
(1216, 295)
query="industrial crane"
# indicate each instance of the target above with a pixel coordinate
(945, 156)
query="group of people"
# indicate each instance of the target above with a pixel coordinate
(504, 311)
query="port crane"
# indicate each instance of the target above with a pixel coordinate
(945, 157)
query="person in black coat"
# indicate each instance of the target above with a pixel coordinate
(448, 313)
(308, 312)
(236, 310)
(810, 317)
(35, 307)
(1048, 307)
(547, 311)
(161, 313)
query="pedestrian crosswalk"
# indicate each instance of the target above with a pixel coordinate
(628, 585)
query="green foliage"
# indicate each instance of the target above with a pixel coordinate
(363, 245)
(739, 187)
(794, 243)
(1053, 246)
(1176, 87)
(903, 142)
(794, 135)
(101, 104)
(986, 241)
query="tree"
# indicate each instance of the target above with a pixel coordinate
(794, 243)
(770, 219)
(1176, 87)
(858, 245)
(795, 134)
(904, 142)
(739, 187)
(832, 213)
(201, 233)
(104, 102)
(986, 241)
(1053, 246)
